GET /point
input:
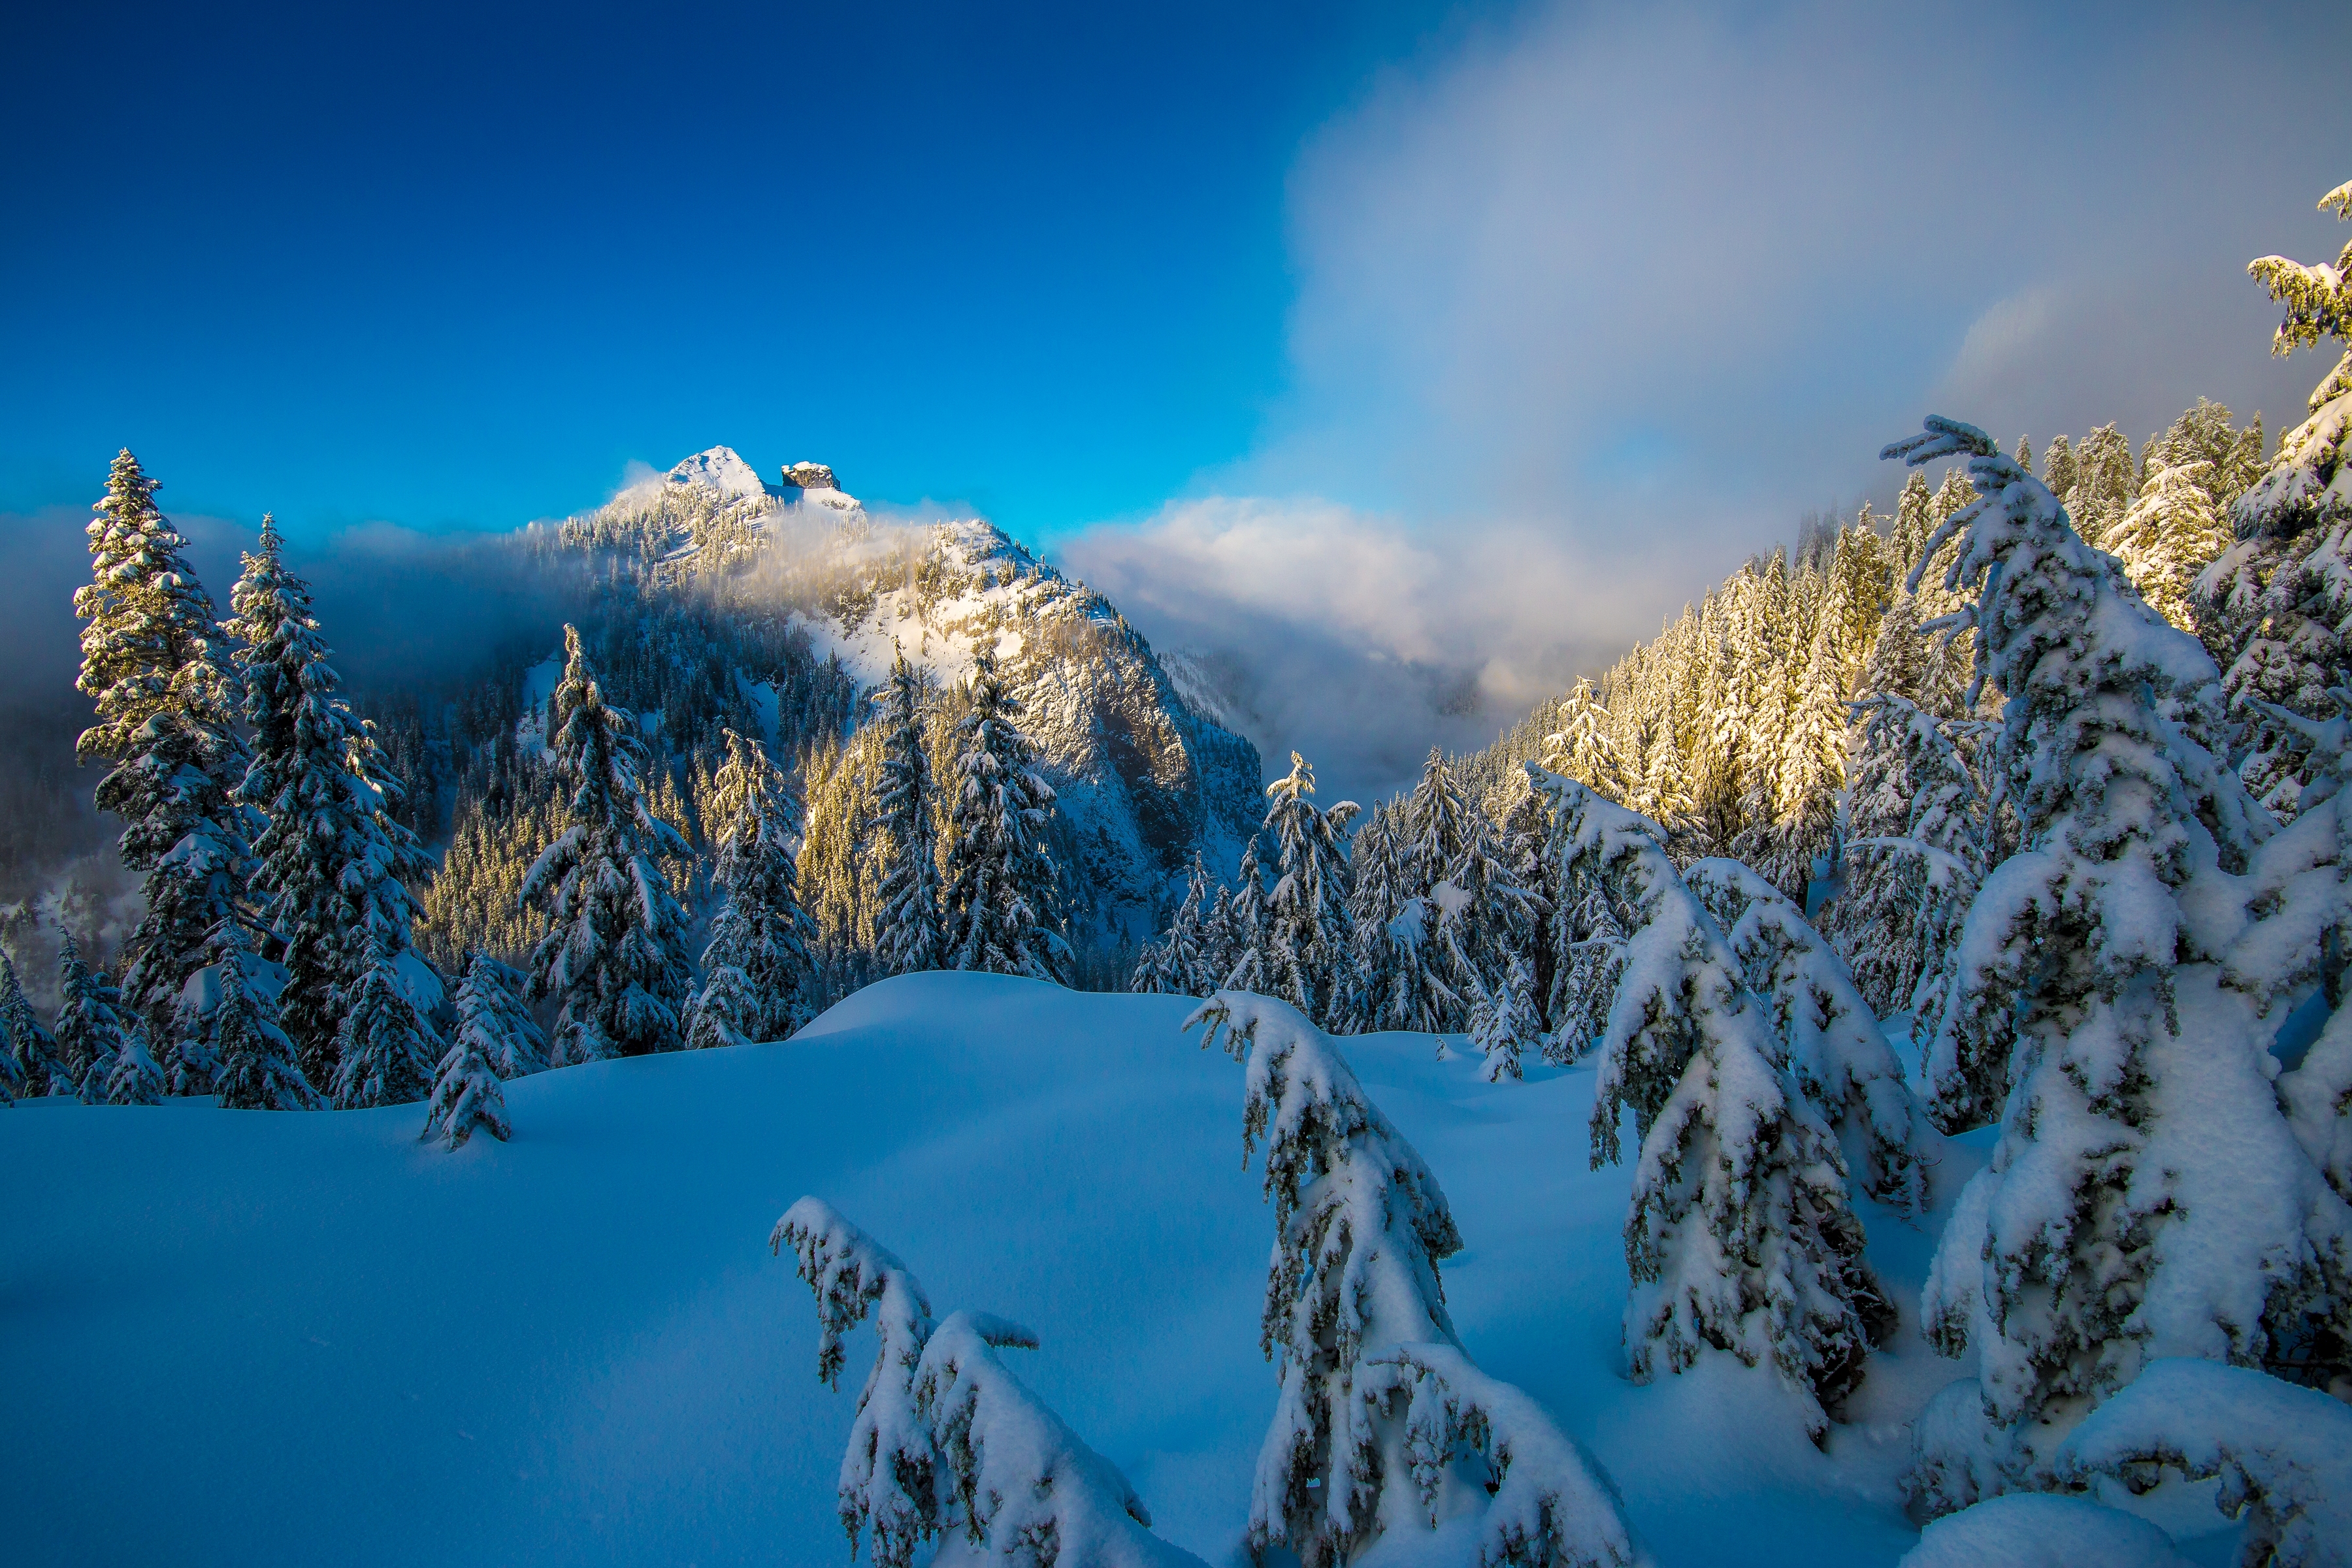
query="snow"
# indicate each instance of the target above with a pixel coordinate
(720, 471)
(575, 1347)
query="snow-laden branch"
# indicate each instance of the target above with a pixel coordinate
(2283, 1454)
(947, 1441)
(1380, 1411)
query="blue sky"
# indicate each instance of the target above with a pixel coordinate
(1414, 358)
(459, 265)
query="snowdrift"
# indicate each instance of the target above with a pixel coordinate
(276, 1338)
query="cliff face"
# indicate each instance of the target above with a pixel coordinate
(1145, 778)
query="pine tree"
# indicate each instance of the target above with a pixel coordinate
(2278, 595)
(34, 1065)
(493, 1020)
(1171, 965)
(1306, 929)
(909, 936)
(2167, 538)
(1916, 848)
(1000, 882)
(1376, 1387)
(1437, 826)
(1504, 1024)
(92, 1031)
(1245, 918)
(1740, 1237)
(335, 863)
(466, 1096)
(1833, 1045)
(760, 985)
(2147, 1196)
(259, 1069)
(614, 954)
(1582, 747)
(386, 1048)
(154, 661)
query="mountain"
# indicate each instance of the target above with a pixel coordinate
(1146, 778)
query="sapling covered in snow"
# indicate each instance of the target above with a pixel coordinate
(1000, 881)
(133, 1079)
(466, 1096)
(2147, 1196)
(615, 953)
(33, 1066)
(2284, 1455)
(1383, 1427)
(1835, 1044)
(1504, 1024)
(1740, 1237)
(494, 1019)
(759, 983)
(1169, 964)
(947, 1442)
(92, 1030)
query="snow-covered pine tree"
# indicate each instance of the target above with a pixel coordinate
(492, 1015)
(156, 662)
(614, 954)
(908, 935)
(2147, 1196)
(947, 1442)
(385, 1050)
(1582, 747)
(1218, 949)
(1915, 853)
(1437, 826)
(2105, 481)
(1000, 884)
(92, 1030)
(1485, 916)
(1505, 1023)
(260, 1067)
(759, 985)
(1377, 1390)
(1169, 965)
(334, 863)
(1585, 972)
(465, 1095)
(1245, 928)
(134, 1079)
(35, 1065)
(1306, 928)
(1834, 1045)
(1740, 1237)
(2278, 593)
(1376, 896)
(2167, 538)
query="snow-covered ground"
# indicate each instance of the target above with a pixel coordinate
(256, 1337)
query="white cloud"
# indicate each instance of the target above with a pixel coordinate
(1599, 301)
(1356, 640)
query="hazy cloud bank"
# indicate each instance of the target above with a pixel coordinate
(1601, 301)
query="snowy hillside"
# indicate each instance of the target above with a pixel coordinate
(1144, 775)
(576, 1349)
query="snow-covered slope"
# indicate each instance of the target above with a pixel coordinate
(1145, 776)
(250, 1338)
